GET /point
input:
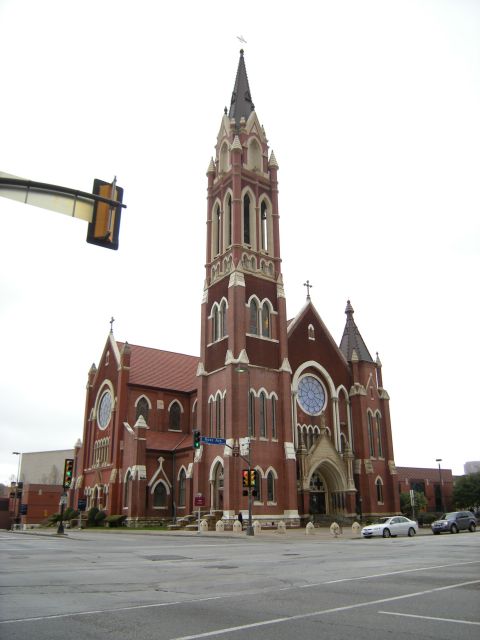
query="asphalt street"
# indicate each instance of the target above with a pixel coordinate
(129, 585)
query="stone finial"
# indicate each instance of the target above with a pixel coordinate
(236, 145)
(211, 167)
(273, 161)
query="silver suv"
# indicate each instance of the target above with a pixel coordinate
(455, 522)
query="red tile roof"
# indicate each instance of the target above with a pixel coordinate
(162, 369)
(168, 441)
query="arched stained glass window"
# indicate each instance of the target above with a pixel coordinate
(270, 487)
(251, 414)
(263, 415)
(274, 417)
(265, 321)
(142, 409)
(175, 413)
(253, 317)
(246, 219)
(160, 496)
(263, 214)
(181, 488)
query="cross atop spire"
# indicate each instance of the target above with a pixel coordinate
(309, 286)
(112, 320)
(241, 104)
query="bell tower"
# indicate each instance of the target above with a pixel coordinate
(244, 386)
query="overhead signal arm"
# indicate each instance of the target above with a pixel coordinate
(101, 209)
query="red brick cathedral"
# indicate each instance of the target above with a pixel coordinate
(315, 413)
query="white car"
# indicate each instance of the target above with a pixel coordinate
(390, 526)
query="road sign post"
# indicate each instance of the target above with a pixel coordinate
(199, 501)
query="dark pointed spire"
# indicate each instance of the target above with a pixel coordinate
(352, 340)
(241, 104)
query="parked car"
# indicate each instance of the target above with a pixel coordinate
(454, 522)
(390, 526)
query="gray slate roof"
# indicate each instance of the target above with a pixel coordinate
(352, 339)
(241, 104)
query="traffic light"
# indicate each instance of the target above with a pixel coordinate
(253, 478)
(196, 439)
(68, 473)
(104, 228)
(245, 479)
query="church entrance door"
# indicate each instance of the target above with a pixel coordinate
(318, 495)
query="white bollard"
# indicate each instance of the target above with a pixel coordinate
(220, 527)
(256, 527)
(310, 529)
(356, 528)
(237, 527)
(335, 529)
(203, 526)
(281, 527)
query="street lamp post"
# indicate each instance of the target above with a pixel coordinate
(249, 531)
(439, 460)
(15, 504)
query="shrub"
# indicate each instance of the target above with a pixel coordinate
(70, 514)
(91, 515)
(115, 520)
(99, 518)
(426, 518)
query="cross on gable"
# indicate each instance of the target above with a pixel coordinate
(309, 286)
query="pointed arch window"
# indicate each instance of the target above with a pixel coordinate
(218, 230)
(263, 415)
(218, 416)
(270, 487)
(371, 443)
(251, 414)
(182, 480)
(210, 417)
(174, 417)
(253, 318)
(160, 496)
(379, 436)
(246, 219)
(274, 417)
(142, 409)
(223, 319)
(264, 227)
(379, 489)
(229, 220)
(265, 320)
(258, 486)
(127, 490)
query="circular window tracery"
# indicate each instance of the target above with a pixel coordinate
(311, 395)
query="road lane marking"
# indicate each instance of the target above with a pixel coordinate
(394, 573)
(227, 595)
(411, 615)
(253, 625)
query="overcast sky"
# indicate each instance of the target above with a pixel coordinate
(373, 112)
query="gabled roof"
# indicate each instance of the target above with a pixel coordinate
(241, 104)
(291, 324)
(352, 340)
(162, 369)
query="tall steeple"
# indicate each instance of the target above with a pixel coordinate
(352, 340)
(241, 104)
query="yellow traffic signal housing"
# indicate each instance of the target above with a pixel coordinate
(104, 228)
(245, 479)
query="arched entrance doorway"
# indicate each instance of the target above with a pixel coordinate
(327, 491)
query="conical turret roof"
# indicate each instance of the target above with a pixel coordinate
(241, 104)
(352, 340)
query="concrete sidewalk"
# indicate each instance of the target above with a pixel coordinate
(320, 533)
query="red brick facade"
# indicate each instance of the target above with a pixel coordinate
(317, 413)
